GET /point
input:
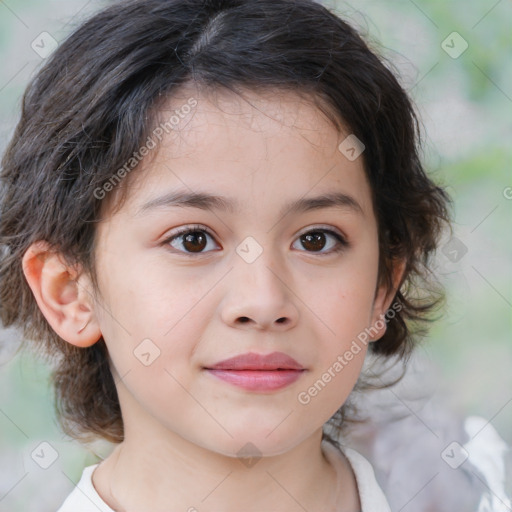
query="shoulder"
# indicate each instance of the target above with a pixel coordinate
(84, 497)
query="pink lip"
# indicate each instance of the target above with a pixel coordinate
(257, 372)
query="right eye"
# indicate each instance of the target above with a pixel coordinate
(189, 240)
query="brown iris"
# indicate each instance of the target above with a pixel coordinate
(194, 241)
(315, 240)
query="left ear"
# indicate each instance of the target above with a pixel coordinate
(383, 297)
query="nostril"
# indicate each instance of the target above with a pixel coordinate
(244, 319)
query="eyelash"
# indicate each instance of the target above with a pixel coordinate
(342, 242)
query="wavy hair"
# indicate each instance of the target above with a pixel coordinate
(92, 104)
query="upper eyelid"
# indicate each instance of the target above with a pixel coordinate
(197, 227)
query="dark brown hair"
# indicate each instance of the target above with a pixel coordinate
(91, 107)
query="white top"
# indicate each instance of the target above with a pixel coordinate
(84, 497)
(370, 494)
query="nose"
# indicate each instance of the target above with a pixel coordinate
(259, 296)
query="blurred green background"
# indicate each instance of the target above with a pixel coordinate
(465, 104)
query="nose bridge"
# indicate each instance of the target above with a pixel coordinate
(260, 268)
(259, 290)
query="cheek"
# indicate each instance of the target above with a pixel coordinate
(346, 303)
(344, 307)
(142, 313)
(328, 388)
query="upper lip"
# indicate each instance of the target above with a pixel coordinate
(253, 361)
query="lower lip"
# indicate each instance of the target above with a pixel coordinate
(258, 380)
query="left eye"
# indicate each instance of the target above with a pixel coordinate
(315, 240)
(195, 239)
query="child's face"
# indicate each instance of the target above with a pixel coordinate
(211, 297)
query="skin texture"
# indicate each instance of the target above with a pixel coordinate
(184, 428)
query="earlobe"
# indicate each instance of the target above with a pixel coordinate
(64, 298)
(383, 298)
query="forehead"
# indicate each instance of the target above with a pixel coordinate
(224, 116)
(269, 146)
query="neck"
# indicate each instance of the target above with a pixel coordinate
(153, 473)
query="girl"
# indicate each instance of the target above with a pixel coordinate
(212, 211)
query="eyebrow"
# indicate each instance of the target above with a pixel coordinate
(210, 202)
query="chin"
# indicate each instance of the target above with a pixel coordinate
(254, 443)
